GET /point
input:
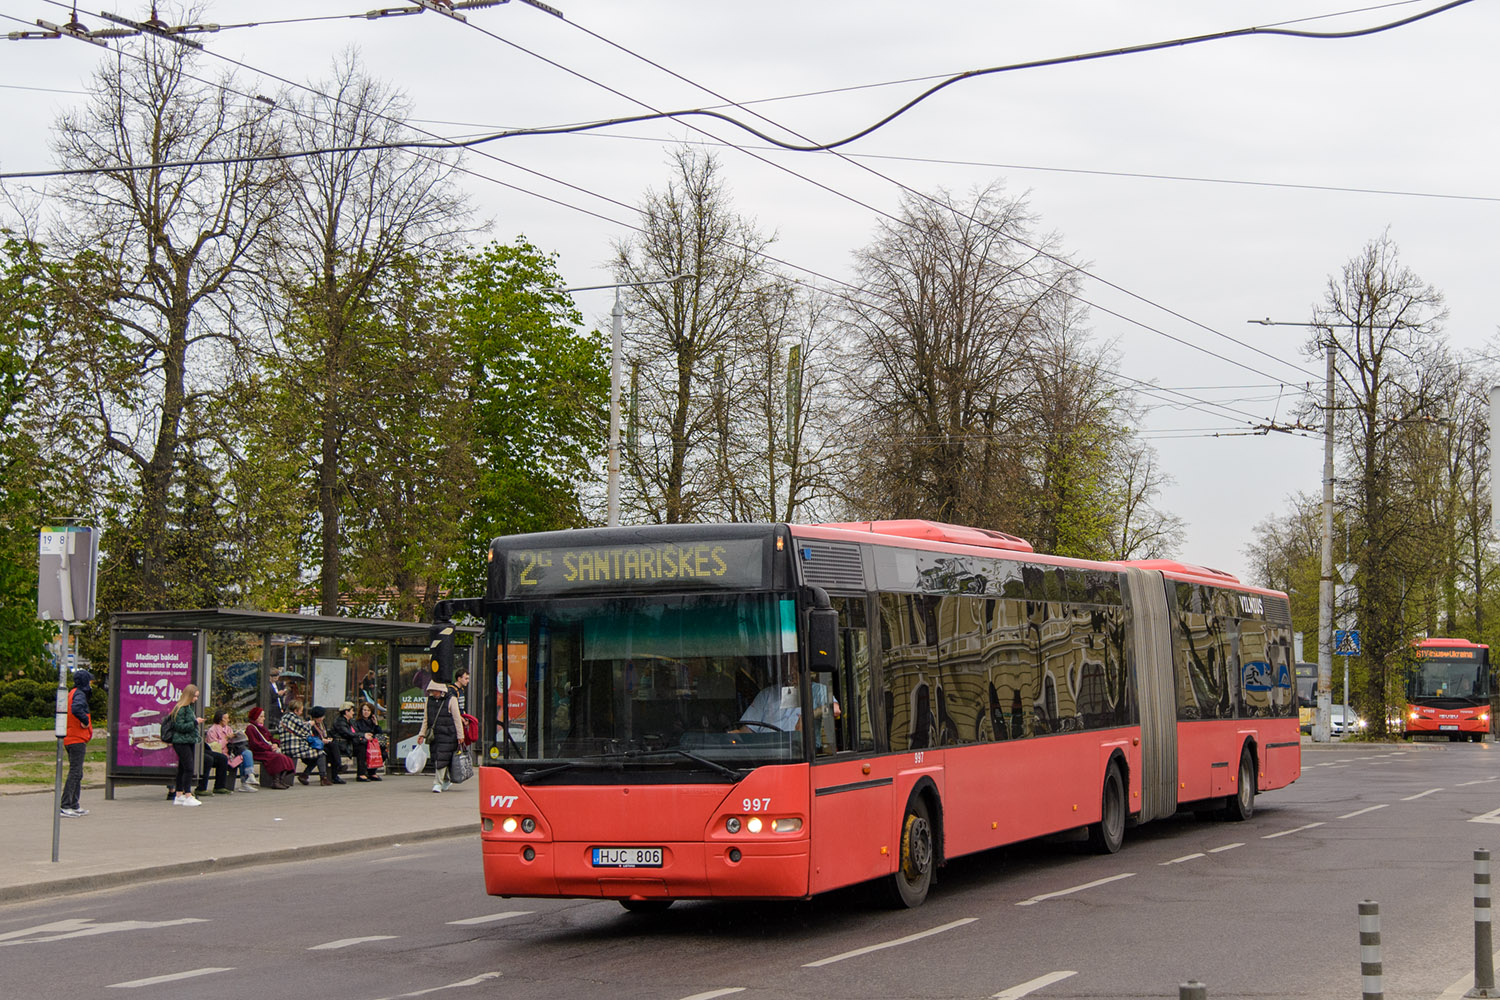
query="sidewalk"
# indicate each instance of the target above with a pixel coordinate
(141, 836)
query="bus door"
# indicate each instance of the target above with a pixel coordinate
(851, 801)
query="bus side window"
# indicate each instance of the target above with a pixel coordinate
(853, 731)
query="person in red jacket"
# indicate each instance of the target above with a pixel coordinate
(76, 742)
(276, 767)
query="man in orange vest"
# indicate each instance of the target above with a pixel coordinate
(80, 731)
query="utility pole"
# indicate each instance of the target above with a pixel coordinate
(1321, 727)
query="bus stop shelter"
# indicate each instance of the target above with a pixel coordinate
(153, 655)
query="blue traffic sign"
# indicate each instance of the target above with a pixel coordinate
(1346, 642)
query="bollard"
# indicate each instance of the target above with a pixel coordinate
(1484, 955)
(1369, 950)
(1192, 990)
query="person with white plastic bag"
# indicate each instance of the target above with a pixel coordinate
(443, 726)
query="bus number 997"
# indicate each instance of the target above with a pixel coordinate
(755, 805)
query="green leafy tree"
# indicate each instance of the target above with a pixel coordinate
(540, 384)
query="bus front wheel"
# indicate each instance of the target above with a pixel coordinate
(913, 877)
(1106, 836)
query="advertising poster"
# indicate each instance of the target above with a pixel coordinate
(510, 691)
(411, 684)
(330, 682)
(152, 670)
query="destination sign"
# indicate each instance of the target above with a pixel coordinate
(736, 564)
(1449, 654)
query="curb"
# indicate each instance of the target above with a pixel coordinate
(135, 876)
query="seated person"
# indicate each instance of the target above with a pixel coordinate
(278, 767)
(296, 735)
(216, 756)
(331, 749)
(770, 710)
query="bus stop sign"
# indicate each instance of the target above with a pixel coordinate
(1346, 642)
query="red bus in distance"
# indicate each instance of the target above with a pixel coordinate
(756, 711)
(1448, 691)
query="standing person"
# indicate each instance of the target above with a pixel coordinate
(182, 730)
(278, 767)
(367, 728)
(294, 732)
(278, 696)
(443, 724)
(76, 742)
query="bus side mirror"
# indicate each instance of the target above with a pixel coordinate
(822, 639)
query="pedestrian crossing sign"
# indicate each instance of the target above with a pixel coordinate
(1346, 642)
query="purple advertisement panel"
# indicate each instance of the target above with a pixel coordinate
(151, 672)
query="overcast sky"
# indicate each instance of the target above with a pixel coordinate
(1202, 185)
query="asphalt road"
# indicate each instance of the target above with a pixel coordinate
(1266, 908)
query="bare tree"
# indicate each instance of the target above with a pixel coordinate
(1384, 323)
(951, 298)
(354, 216)
(687, 337)
(177, 246)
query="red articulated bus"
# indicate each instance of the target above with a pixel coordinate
(1448, 692)
(753, 711)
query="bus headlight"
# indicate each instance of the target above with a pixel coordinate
(754, 825)
(733, 824)
(787, 824)
(1414, 715)
(510, 824)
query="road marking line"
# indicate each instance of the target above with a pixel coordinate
(174, 977)
(715, 993)
(1489, 817)
(1032, 985)
(399, 857)
(888, 944)
(488, 918)
(1421, 794)
(1361, 812)
(85, 927)
(1077, 888)
(1481, 781)
(475, 981)
(347, 942)
(1185, 857)
(1226, 847)
(1295, 829)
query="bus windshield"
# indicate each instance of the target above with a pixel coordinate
(1457, 679)
(669, 682)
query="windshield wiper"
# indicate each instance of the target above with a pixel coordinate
(530, 776)
(714, 765)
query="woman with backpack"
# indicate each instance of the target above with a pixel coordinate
(183, 730)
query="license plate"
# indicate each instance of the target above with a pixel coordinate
(1448, 727)
(627, 857)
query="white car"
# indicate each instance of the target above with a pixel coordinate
(1336, 721)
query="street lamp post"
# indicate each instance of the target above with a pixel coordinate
(616, 339)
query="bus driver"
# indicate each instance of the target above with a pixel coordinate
(778, 706)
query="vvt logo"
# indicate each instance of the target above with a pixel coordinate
(160, 691)
(502, 801)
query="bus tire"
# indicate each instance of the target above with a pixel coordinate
(646, 905)
(1241, 805)
(1106, 836)
(918, 855)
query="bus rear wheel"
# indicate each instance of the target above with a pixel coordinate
(913, 877)
(1106, 836)
(1241, 805)
(646, 905)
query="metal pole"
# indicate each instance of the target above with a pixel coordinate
(1192, 990)
(1320, 731)
(1371, 972)
(1484, 952)
(60, 728)
(613, 482)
